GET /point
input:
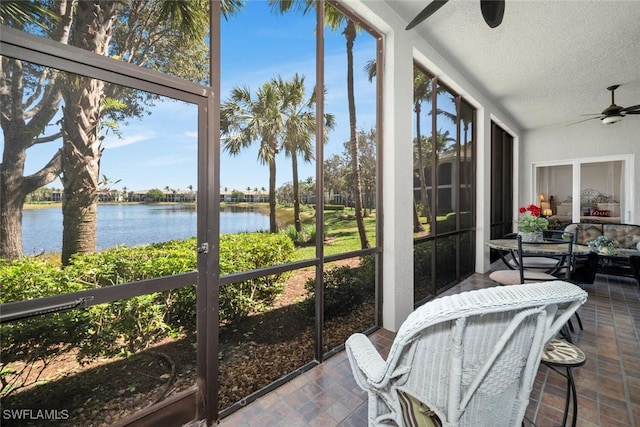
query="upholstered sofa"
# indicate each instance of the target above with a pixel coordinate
(625, 261)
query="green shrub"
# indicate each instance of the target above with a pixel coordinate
(250, 251)
(344, 288)
(129, 325)
(306, 237)
(123, 264)
(37, 341)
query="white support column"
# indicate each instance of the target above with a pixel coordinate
(397, 181)
(483, 189)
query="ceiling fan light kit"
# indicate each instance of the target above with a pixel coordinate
(609, 120)
(613, 113)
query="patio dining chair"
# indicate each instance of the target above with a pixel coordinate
(539, 261)
(464, 360)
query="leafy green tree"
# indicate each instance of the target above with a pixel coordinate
(335, 172)
(165, 35)
(155, 195)
(237, 196)
(368, 162)
(29, 99)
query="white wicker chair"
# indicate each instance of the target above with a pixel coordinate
(471, 357)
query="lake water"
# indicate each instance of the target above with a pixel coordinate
(133, 224)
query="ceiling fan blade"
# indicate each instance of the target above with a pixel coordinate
(585, 120)
(426, 12)
(634, 109)
(492, 12)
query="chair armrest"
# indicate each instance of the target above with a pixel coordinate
(366, 363)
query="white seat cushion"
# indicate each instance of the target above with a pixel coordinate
(512, 277)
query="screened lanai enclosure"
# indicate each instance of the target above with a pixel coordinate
(192, 202)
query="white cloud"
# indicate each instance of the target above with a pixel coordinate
(113, 141)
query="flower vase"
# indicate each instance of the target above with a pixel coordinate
(531, 237)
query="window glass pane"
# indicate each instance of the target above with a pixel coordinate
(601, 191)
(350, 152)
(443, 141)
(446, 260)
(423, 274)
(555, 193)
(160, 35)
(117, 175)
(467, 149)
(467, 253)
(599, 198)
(101, 363)
(446, 136)
(422, 152)
(268, 122)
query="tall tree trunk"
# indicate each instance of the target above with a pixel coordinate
(12, 198)
(296, 193)
(18, 137)
(81, 126)
(417, 226)
(350, 35)
(273, 225)
(81, 155)
(424, 196)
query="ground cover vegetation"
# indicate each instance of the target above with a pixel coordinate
(65, 354)
(129, 329)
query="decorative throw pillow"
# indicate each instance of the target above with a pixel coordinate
(613, 208)
(598, 212)
(416, 413)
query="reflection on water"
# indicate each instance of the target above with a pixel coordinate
(134, 224)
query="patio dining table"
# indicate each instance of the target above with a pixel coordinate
(508, 245)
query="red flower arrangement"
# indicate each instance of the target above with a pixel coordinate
(532, 209)
(530, 220)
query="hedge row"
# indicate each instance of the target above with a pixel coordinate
(130, 325)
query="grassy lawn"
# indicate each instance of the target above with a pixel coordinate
(341, 234)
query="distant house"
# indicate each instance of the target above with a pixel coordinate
(251, 196)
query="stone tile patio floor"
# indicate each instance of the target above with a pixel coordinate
(608, 384)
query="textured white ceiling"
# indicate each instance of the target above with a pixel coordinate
(549, 62)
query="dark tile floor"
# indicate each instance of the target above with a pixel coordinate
(608, 384)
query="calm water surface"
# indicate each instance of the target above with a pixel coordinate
(133, 224)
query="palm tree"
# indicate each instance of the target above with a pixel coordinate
(421, 92)
(336, 20)
(299, 130)
(94, 24)
(245, 119)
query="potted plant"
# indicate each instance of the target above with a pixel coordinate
(603, 245)
(531, 224)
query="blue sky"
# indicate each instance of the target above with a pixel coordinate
(161, 149)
